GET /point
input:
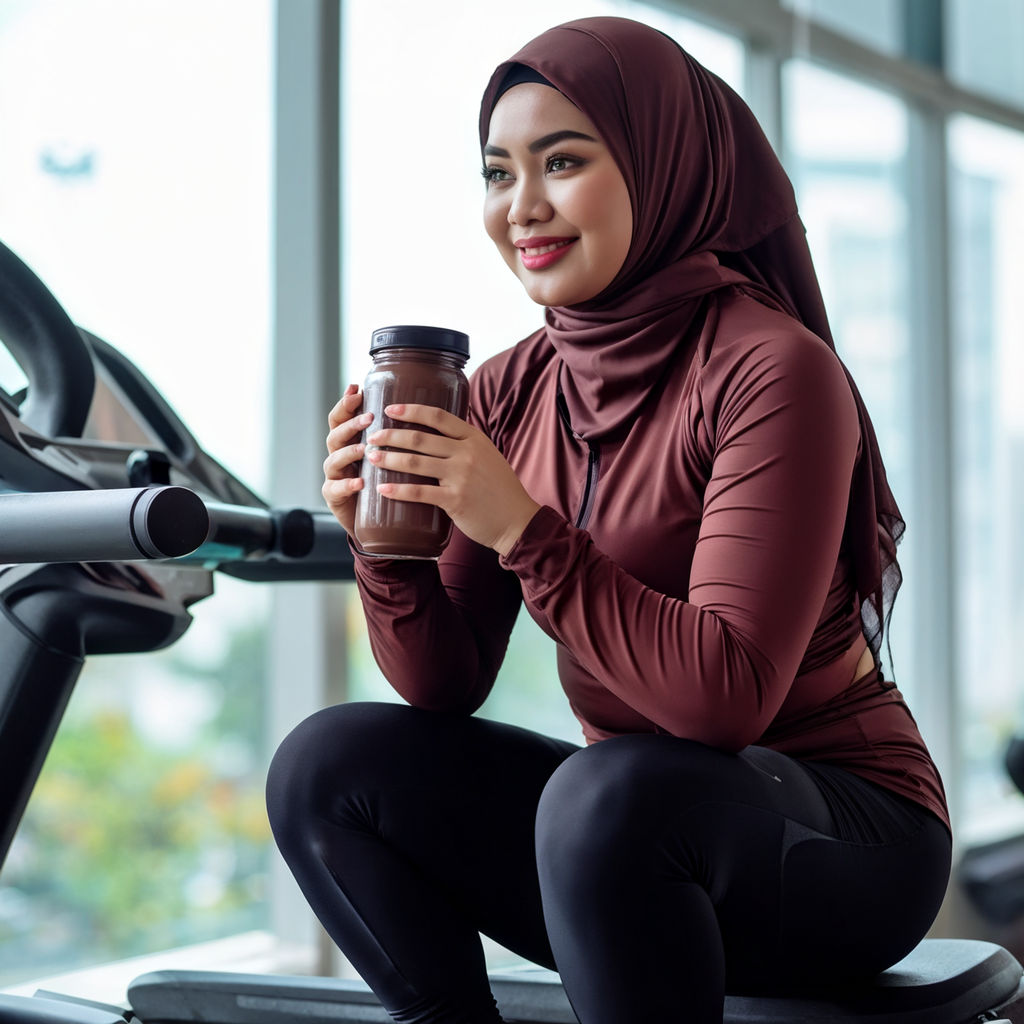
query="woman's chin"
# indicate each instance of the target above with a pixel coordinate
(550, 293)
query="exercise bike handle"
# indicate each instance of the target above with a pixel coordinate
(171, 522)
(101, 526)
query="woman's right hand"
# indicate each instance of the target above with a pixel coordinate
(344, 453)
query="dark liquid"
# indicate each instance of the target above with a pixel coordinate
(406, 529)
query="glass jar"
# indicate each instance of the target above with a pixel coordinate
(411, 365)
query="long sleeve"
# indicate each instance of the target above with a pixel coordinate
(782, 435)
(439, 630)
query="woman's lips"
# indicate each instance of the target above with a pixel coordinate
(538, 253)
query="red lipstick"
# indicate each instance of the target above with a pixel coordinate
(538, 253)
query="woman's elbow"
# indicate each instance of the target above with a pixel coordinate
(443, 699)
(729, 725)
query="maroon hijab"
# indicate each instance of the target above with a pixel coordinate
(712, 208)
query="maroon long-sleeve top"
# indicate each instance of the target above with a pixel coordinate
(691, 569)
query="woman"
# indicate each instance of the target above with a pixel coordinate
(679, 479)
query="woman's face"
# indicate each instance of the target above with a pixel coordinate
(557, 206)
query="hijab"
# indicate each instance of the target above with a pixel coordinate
(712, 209)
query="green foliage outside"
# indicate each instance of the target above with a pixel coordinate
(127, 848)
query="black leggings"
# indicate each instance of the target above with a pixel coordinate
(651, 872)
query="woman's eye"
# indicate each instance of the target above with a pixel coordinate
(495, 174)
(561, 163)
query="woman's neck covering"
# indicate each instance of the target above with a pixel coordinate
(712, 209)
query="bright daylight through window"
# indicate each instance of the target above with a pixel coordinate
(134, 179)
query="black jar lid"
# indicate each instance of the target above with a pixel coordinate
(411, 336)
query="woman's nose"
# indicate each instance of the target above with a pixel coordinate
(529, 204)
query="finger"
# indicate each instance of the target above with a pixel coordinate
(342, 408)
(337, 492)
(340, 463)
(410, 463)
(405, 462)
(347, 406)
(345, 431)
(422, 494)
(437, 445)
(429, 416)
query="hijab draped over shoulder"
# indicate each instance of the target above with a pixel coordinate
(712, 209)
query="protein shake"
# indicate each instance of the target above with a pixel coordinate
(411, 365)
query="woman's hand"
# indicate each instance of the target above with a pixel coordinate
(475, 485)
(341, 467)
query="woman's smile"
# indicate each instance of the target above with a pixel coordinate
(539, 253)
(557, 205)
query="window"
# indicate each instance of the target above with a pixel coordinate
(846, 147)
(878, 23)
(985, 39)
(134, 179)
(987, 181)
(11, 377)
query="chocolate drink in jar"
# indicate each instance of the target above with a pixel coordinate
(411, 365)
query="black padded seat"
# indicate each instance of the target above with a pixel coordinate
(943, 981)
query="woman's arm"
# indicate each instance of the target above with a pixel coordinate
(439, 630)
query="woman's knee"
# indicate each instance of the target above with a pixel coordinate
(630, 803)
(324, 757)
(608, 801)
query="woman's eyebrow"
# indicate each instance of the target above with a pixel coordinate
(542, 143)
(549, 140)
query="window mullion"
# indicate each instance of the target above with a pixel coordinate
(763, 74)
(924, 32)
(930, 534)
(306, 646)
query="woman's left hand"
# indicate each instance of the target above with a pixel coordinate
(475, 485)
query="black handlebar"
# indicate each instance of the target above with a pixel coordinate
(48, 347)
(129, 524)
(102, 526)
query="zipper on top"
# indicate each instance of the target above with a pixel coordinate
(593, 467)
(590, 491)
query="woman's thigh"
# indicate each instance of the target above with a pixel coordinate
(453, 797)
(793, 898)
